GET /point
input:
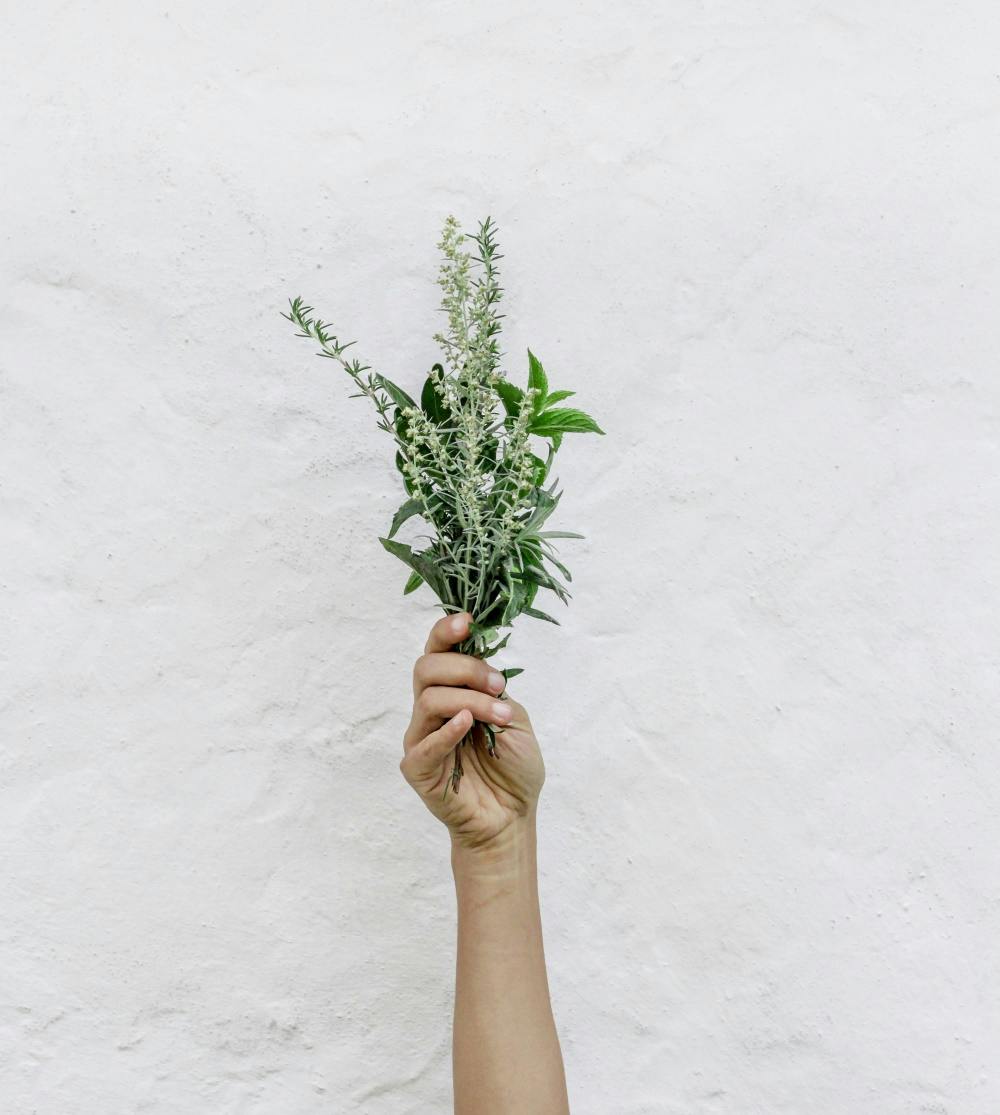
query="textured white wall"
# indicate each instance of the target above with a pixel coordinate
(761, 239)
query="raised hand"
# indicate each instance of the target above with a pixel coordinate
(451, 691)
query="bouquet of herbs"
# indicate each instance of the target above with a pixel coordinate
(475, 455)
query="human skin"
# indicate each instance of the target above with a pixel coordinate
(505, 1051)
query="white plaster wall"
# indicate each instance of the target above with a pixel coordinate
(761, 239)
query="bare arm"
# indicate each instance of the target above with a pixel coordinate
(506, 1054)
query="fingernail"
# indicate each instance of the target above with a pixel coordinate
(458, 624)
(501, 712)
(496, 681)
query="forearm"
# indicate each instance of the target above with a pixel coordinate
(507, 1059)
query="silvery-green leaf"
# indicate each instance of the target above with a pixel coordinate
(540, 615)
(397, 394)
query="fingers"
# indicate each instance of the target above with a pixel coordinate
(423, 762)
(454, 670)
(438, 703)
(447, 632)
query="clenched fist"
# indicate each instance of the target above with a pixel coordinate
(451, 691)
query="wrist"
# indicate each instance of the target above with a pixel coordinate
(508, 855)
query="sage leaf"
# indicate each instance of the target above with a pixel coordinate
(397, 394)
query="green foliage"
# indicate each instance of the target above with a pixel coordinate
(466, 455)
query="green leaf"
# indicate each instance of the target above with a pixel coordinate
(540, 615)
(530, 596)
(538, 380)
(515, 602)
(512, 671)
(407, 483)
(421, 563)
(560, 534)
(413, 582)
(397, 394)
(557, 397)
(544, 506)
(541, 470)
(431, 402)
(490, 651)
(556, 441)
(544, 579)
(407, 511)
(563, 420)
(510, 396)
(487, 633)
(559, 565)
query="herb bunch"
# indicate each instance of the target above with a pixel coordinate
(475, 455)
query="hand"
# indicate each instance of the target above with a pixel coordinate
(496, 792)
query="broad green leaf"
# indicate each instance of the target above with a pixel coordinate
(538, 380)
(431, 402)
(413, 582)
(556, 441)
(397, 394)
(512, 671)
(563, 420)
(557, 397)
(407, 511)
(510, 396)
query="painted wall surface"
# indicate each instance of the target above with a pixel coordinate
(762, 240)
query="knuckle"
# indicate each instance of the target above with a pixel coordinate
(420, 668)
(427, 702)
